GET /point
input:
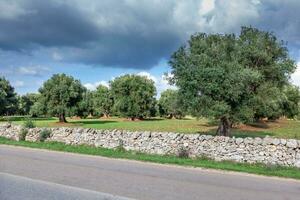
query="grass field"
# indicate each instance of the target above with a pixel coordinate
(280, 128)
(288, 172)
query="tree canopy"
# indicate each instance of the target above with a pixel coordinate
(133, 96)
(169, 105)
(25, 102)
(85, 106)
(290, 104)
(61, 95)
(8, 98)
(103, 101)
(221, 76)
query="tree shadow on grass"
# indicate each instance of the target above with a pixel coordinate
(243, 133)
(239, 133)
(23, 118)
(166, 119)
(259, 125)
(211, 123)
(152, 119)
(90, 122)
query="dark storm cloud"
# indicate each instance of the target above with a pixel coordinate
(283, 18)
(135, 34)
(47, 24)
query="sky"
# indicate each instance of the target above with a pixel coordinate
(96, 41)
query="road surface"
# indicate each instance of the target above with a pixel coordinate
(57, 175)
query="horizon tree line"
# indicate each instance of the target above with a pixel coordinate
(130, 96)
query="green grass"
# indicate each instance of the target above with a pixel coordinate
(287, 172)
(280, 129)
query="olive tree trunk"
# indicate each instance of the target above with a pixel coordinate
(224, 127)
(62, 118)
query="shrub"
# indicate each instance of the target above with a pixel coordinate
(120, 147)
(29, 123)
(183, 152)
(8, 120)
(44, 134)
(23, 134)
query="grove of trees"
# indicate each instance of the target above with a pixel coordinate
(230, 78)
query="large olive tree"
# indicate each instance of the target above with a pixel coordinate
(102, 101)
(61, 95)
(221, 75)
(133, 96)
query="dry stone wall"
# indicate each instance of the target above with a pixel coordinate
(263, 150)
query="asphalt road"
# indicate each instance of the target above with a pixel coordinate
(15, 187)
(49, 172)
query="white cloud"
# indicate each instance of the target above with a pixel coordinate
(12, 9)
(32, 70)
(295, 78)
(206, 6)
(161, 82)
(148, 75)
(93, 86)
(18, 84)
(57, 56)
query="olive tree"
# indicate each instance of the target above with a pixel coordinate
(61, 95)
(169, 104)
(103, 101)
(25, 102)
(133, 96)
(220, 75)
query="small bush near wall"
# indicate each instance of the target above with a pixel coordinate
(183, 152)
(120, 147)
(29, 124)
(23, 134)
(44, 134)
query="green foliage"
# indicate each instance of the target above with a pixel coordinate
(8, 98)
(183, 152)
(38, 109)
(103, 101)
(154, 109)
(273, 102)
(25, 102)
(28, 123)
(44, 134)
(169, 104)
(120, 147)
(133, 96)
(85, 106)
(291, 101)
(61, 95)
(9, 120)
(220, 76)
(268, 102)
(23, 133)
